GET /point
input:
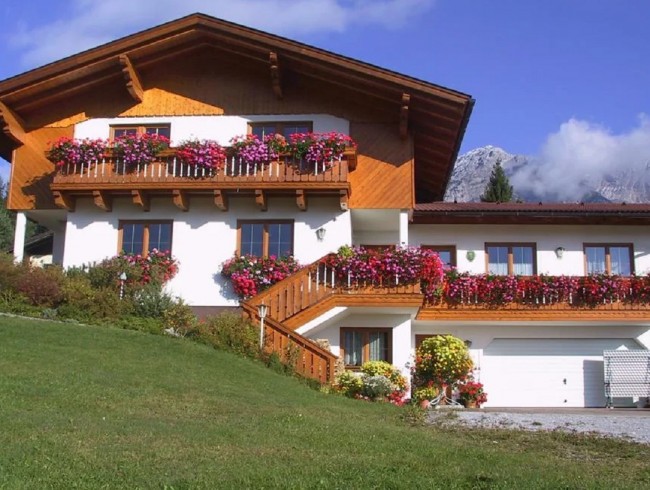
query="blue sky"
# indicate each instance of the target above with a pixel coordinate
(564, 80)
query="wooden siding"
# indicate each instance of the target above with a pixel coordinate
(385, 167)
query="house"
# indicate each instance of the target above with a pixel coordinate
(200, 77)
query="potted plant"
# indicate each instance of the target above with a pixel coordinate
(471, 394)
(65, 151)
(133, 150)
(203, 154)
(319, 148)
(424, 394)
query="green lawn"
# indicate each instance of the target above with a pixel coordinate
(90, 407)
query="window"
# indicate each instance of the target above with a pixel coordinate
(513, 259)
(359, 345)
(615, 258)
(265, 238)
(447, 253)
(284, 128)
(160, 129)
(141, 237)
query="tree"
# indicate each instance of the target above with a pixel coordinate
(498, 188)
(6, 220)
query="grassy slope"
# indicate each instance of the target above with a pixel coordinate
(95, 407)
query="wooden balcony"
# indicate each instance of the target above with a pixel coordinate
(110, 177)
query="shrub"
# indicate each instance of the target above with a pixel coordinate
(84, 302)
(377, 387)
(141, 324)
(349, 383)
(150, 301)
(41, 287)
(180, 317)
(229, 332)
(10, 271)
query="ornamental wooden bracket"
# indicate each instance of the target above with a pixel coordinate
(301, 200)
(64, 201)
(221, 200)
(141, 198)
(276, 78)
(133, 84)
(12, 125)
(103, 200)
(343, 199)
(181, 200)
(404, 116)
(261, 199)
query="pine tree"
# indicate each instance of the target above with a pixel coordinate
(498, 188)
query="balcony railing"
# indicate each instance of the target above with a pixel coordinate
(169, 169)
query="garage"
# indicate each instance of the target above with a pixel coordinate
(547, 372)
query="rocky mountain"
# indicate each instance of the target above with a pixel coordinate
(533, 181)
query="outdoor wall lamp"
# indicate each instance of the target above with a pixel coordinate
(320, 234)
(559, 252)
(471, 255)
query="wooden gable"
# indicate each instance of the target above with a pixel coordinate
(409, 131)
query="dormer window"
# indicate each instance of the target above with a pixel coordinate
(284, 128)
(123, 130)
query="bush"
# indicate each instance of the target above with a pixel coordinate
(151, 301)
(83, 302)
(377, 387)
(10, 272)
(180, 317)
(141, 324)
(349, 383)
(229, 332)
(41, 287)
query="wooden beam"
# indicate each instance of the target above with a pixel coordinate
(133, 84)
(11, 125)
(344, 198)
(221, 200)
(276, 78)
(261, 200)
(181, 200)
(404, 116)
(103, 200)
(64, 200)
(301, 200)
(141, 198)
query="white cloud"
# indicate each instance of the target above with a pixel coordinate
(93, 22)
(583, 155)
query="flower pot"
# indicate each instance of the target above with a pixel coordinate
(470, 404)
(425, 404)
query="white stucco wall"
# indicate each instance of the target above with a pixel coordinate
(219, 128)
(547, 238)
(204, 237)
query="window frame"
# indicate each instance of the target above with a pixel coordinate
(511, 262)
(608, 257)
(365, 351)
(453, 252)
(145, 233)
(139, 128)
(280, 125)
(265, 233)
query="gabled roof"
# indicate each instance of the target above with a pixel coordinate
(531, 213)
(436, 116)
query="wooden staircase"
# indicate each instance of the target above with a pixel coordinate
(309, 293)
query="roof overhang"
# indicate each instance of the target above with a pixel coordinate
(532, 214)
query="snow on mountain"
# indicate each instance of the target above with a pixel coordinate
(531, 182)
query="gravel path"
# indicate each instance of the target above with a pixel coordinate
(632, 425)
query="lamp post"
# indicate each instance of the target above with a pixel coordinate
(262, 310)
(122, 281)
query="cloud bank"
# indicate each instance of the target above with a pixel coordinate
(583, 155)
(89, 23)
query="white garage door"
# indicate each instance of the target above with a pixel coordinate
(547, 372)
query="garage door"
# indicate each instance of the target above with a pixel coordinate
(547, 372)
